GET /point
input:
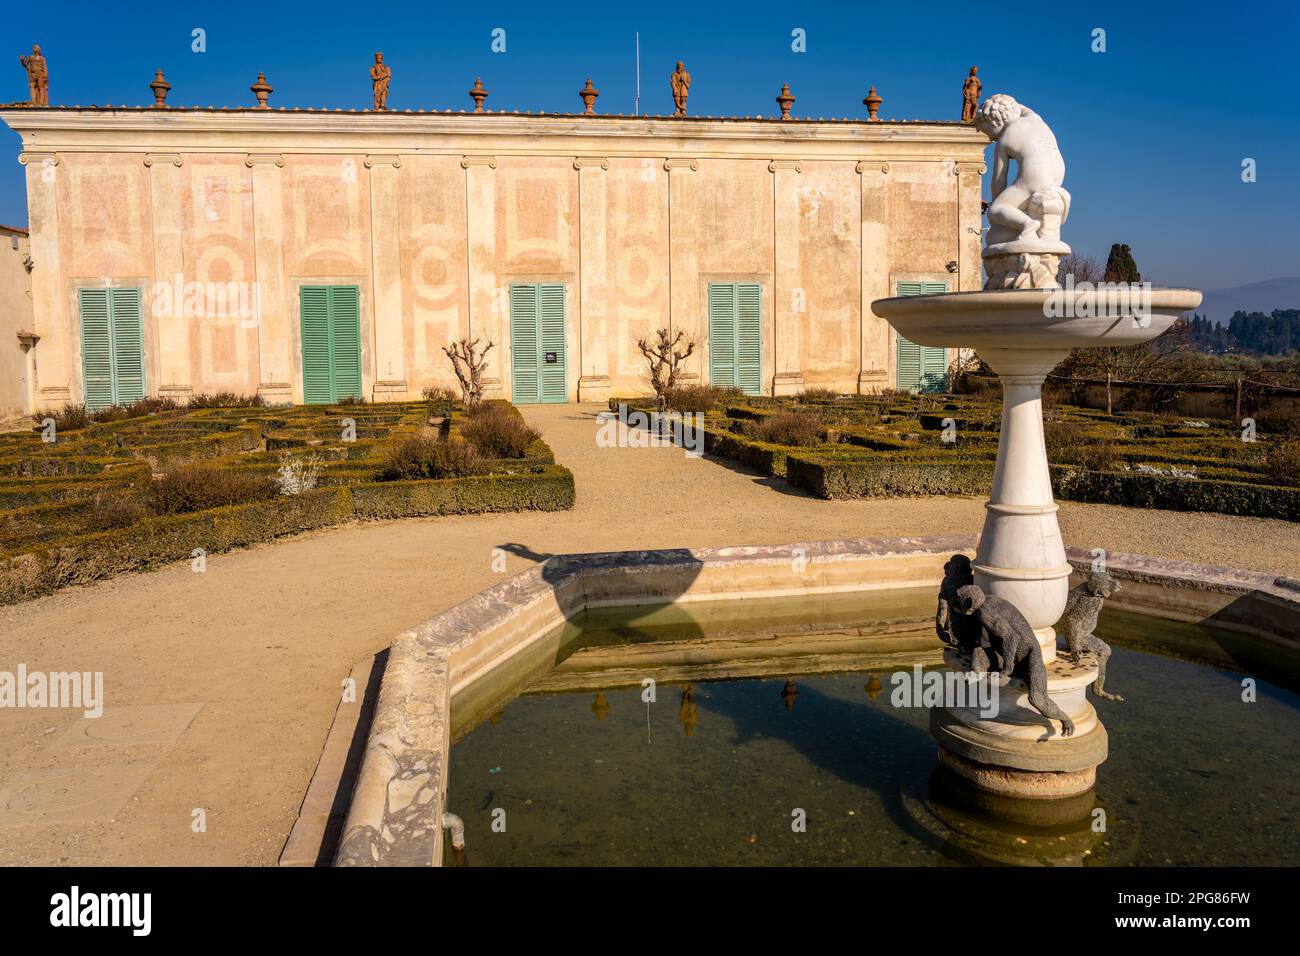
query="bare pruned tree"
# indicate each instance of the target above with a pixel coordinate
(469, 361)
(665, 357)
(1082, 268)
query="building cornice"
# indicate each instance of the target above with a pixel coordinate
(175, 128)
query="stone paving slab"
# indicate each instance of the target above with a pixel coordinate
(71, 794)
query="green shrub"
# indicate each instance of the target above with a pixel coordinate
(796, 428)
(225, 400)
(114, 510)
(202, 485)
(818, 394)
(498, 432)
(441, 394)
(1137, 490)
(84, 558)
(829, 478)
(543, 488)
(699, 398)
(139, 409)
(1282, 461)
(66, 419)
(427, 455)
(1096, 455)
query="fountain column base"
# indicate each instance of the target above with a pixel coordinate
(1018, 752)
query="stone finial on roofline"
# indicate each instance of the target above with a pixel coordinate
(785, 100)
(589, 94)
(872, 102)
(262, 90)
(478, 94)
(160, 86)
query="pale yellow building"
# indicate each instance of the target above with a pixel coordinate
(309, 254)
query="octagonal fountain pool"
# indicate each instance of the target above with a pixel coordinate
(745, 707)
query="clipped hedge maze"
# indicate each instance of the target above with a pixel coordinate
(95, 502)
(900, 445)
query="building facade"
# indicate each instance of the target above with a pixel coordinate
(307, 255)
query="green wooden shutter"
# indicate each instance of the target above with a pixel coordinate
(317, 388)
(331, 343)
(345, 341)
(551, 315)
(749, 338)
(96, 348)
(128, 346)
(909, 365)
(524, 344)
(722, 334)
(921, 368)
(736, 336)
(112, 347)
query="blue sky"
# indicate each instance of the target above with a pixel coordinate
(1154, 130)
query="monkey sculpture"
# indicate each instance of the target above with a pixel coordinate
(958, 630)
(1021, 655)
(1080, 620)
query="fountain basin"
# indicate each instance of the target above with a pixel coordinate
(1029, 319)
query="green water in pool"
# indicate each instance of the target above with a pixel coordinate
(772, 740)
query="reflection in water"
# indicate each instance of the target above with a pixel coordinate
(788, 693)
(981, 828)
(1212, 780)
(687, 713)
(873, 687)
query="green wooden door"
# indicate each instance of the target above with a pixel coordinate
(538, 358)
(112, 346)
(921, 368)
(331, 343)
(736, 336)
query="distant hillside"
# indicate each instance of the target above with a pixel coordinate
(1219, 304)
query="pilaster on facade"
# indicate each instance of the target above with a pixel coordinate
(969, 225)
(593, 280)
(875, 335)
(789, 298)
(487, 303)
(172, 336)
(274, 333)
(683, 263)
(388, 300)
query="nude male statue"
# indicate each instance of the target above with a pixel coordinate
(970, 95)
(1021, 135)
(38, 77)
(680, 81)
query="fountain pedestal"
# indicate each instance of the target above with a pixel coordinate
(1021, 557)
(1023, 334)
(1017, 752)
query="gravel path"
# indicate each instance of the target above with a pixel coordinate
(264, 638)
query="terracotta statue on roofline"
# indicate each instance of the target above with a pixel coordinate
(380, 74)
(38, 77)
(680, 81)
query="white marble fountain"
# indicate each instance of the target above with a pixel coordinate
(1022, 325)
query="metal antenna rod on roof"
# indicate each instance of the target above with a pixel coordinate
(636, 105)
